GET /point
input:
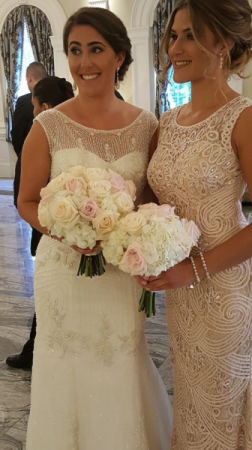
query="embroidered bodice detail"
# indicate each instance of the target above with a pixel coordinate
(125, 150)
(196, 169)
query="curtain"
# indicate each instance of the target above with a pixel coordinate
(39, 30)
(161, 16)
(11, 43)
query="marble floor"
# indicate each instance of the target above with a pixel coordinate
(16, 311)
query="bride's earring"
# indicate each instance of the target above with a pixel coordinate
(221, 61)
(117, 83)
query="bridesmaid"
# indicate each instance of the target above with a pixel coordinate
(202, 165)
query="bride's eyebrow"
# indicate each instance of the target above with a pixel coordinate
(95, 43)
(74, 42)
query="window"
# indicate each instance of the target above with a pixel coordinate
(101, 4)
(178, 94)
(28, 58)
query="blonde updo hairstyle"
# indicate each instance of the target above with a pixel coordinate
(228, 20)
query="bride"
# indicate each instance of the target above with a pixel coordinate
(94, 386)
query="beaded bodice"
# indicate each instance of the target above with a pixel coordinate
(196, 169)
(124, 150)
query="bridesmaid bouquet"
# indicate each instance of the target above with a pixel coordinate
(148, 242)
(82, 207)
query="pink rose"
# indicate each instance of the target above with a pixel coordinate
(131, 189)
(117, 182)
(133, 261)
(88, 209)
(149, 209)
(166, 211)
(76, 185)
(192, 230)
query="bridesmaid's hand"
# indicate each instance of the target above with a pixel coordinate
(142, 280)
(180, 275)
(87, 251)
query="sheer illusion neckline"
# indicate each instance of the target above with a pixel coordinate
(207, 118)
(68, 119)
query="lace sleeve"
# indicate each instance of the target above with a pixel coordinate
(49, 122)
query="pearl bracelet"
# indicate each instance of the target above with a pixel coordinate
(195, 269)
(204, 265)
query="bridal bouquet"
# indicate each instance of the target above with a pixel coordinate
(82, 207)
(148, 242)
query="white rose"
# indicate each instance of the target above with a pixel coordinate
(96, 174)
(105, 222)
(46, 194)
(148, 209)
(107, 204)
(124, 202)
(77, 171)
(57, 184)
(133, 222)
(99, 188)
(64, 212)
(44, 216)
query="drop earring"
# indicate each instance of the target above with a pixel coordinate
(221, 61)
(117, 83)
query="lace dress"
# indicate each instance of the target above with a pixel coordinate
(210, 326)
(94, 386)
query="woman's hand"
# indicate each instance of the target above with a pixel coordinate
(180, 275)
(88, 251)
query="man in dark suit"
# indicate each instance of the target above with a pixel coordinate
(23, 118)
(22, 122)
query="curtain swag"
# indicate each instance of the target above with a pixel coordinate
(161, 15)
(11, 47)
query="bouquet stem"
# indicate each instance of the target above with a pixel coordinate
(147, 303)
(92, 265)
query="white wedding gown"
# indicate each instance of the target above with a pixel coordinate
(94, 386)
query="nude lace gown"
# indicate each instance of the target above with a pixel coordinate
(94, 386)
(210, 326)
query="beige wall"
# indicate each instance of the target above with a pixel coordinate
(122, 8)
(71, 6)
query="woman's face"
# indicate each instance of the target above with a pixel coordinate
(190, 63)
(92, 61)
(37, 108)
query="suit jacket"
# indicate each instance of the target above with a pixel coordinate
(21, 125)
(22, 121)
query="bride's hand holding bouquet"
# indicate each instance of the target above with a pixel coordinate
(81, 207)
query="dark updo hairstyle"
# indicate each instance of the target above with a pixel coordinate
(53, 91)
(227, 20)
(108, 25)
